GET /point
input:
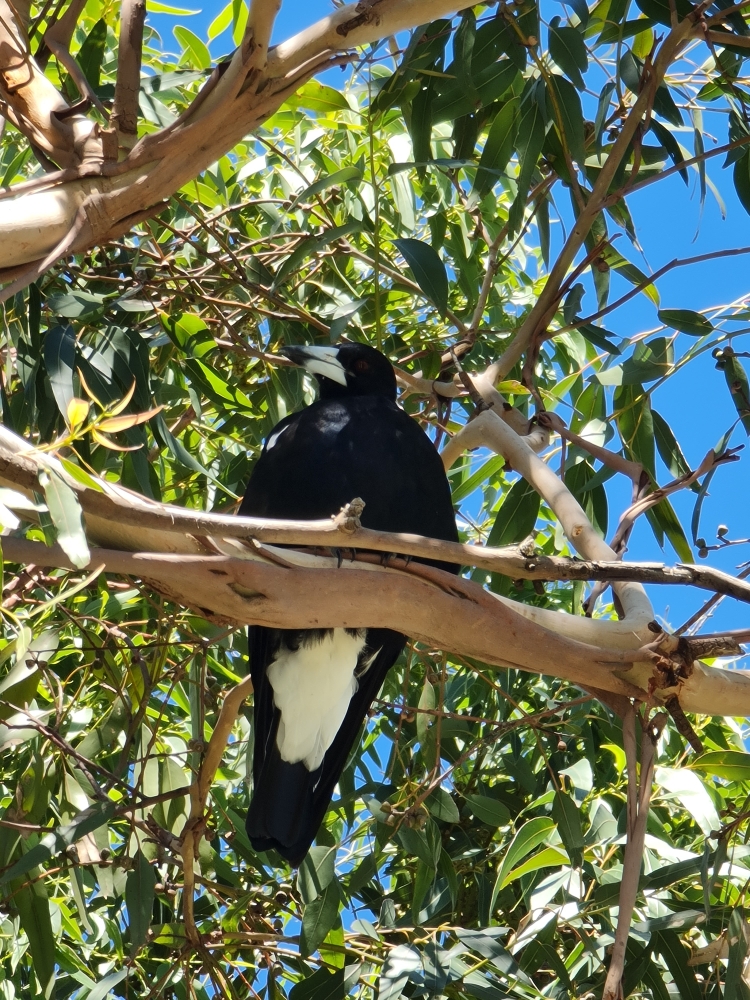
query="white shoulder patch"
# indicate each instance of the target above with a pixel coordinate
(274, 438)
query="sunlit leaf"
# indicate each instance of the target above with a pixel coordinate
(428, 270)
(66, 515)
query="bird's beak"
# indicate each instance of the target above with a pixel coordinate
(318, 361)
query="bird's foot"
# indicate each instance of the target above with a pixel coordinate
(387, 557)
(339, 553)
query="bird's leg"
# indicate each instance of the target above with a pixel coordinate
(339, 553)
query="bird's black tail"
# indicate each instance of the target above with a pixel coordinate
(289, 802)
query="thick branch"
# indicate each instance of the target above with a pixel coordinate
(125, 109)
(30, 101)
(487, 429)
(297, 590)
(162, 162)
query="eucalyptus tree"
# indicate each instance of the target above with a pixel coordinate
(454, 201)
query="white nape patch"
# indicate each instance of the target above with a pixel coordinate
(274, 438)
(312, 688)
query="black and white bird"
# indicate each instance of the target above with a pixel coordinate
(313, 687)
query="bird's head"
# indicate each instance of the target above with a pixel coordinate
(346, 369)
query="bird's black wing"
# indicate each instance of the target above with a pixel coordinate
(319, 459)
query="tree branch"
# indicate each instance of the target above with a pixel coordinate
(288, 589)
(57, 38)
(125, 108)
(160, 163)
(195, 825)
(638, 806)
(487, 429)
(30, 101)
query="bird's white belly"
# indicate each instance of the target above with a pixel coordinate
(312, 688)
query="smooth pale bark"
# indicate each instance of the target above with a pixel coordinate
(256, 583)
(97, 210)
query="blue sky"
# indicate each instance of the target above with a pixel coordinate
(696, 402)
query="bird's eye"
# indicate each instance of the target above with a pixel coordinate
(361, 366)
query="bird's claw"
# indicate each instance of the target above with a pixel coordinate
(339, 553)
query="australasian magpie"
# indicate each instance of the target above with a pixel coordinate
(313, 687)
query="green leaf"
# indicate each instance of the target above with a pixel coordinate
(92, 52)
(194, 51)
(112, 979)
(633, 416)
(596, 336)
(651, 360)
(529, 141)
(549, 857)
(317, 97)
(630, 272)
(498, 149)
(737, 382)
(741, 177)
(316, 872)
(400, 963)
(669, 449)
(661, 10)
(60, 362)
(189, 332)
(735, 987)
(463, 50)
(567, 816)
(322, 985)
(675, 954)
(139, 899)
(32, 904)
(671, 145)
(339, 177)
(441, 805)
(568, 49)
(686, 321)
(415, 843)
(157, 7)
(240, 15)
(732, 765)
(489, 810)
(483, 474)
(318, 918)
(567, 112)
(491, 84)
(664, 518)
(53, 843)
(582, 11)
(66, 515)
(532, 833)
(423, 879)
(516, 516)
(75, 304)
(428, 270)
(221, 22)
